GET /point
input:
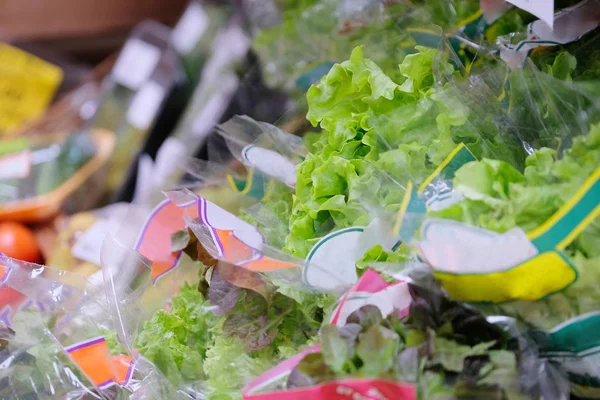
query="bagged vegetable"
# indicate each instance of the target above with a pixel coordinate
(42, 176)
(55, 343)
(133, 94)
(402, 341)
(224, 324)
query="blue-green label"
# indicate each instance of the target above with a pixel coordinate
(313, 76)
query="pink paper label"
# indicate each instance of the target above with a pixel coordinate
(372, 289)
(351, 389)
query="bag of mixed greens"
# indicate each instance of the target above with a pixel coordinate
(133, 94)
(208, 326)
(402, 341)
(56, 342)
(524, 240)
(39, 177)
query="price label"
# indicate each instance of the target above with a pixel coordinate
(27, 85)
(15, 166)
(89, 246)
(145, 105)
(136, 63)
(543, 9)
(190, 28)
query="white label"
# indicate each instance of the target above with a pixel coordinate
(451, 246)
(190, 27)
(395, 297)
(570, 24)
(331, 263)
(209, 115)
(136, 63)
(543, 9)
(271, 163)
(15, 166)
(145, 105)
(89, 246)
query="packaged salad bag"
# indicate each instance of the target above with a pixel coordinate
(40, 176)
(402, 341)
(518, 239)
(198, 294)
(54, 339)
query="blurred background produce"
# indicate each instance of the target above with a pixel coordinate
(106, 105)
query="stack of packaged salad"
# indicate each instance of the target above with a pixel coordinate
(436, 235)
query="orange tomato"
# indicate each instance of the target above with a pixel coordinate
(18, 241)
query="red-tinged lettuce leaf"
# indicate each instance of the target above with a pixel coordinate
(246, 279)
(366, 316)
(406, 365)
(431, 310)
(186, 241)
(222, 294)
(250, 322)
(180, 240)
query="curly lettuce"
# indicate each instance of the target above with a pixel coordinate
(377, 134)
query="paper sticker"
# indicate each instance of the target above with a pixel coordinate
(372, 289)
(270, 163)
(154, 241)
(478, 265)
(136, 63)
(190, 28)
(89, 245)
(543, 9)
(15, 166)
(104, 370)
(145, 105)
(452, 246)
(27, 86)
(331, 263)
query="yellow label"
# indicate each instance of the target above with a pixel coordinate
(27, 85)
(533, 279)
